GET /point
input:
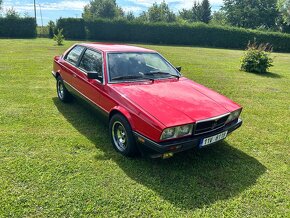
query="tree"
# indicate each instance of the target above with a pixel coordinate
(206, 11)
(160, 13)
(197, 12)
(143, 17)
(219, 18)
(51, 28)
(200, 12)
(251, 13)
(285, 10)
(11, 13)
(130, 16)
(58, 37)
(107, 9)
(1, 1)
(186, 14)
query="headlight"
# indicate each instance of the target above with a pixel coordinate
(234, 115)
(177, 132)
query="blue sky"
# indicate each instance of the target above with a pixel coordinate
(53, 9)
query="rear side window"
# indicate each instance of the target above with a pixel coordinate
(92, 62)
(74, 54)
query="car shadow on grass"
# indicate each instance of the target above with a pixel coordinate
(189, 180)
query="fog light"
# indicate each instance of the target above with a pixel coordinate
(167, 155)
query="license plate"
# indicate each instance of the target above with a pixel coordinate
(213, 139)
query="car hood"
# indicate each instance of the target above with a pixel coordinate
(176, 102)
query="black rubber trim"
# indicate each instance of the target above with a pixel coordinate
(184, 144)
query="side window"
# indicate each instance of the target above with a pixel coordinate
(92, 61)
(74, 55)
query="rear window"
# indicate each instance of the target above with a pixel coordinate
(74, 54)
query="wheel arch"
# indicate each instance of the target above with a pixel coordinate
(123, 112)
(57, 74)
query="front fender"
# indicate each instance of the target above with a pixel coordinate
(124, 112)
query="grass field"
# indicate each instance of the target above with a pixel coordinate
(57, 160)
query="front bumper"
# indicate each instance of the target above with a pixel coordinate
(155, 150)
(53, 74)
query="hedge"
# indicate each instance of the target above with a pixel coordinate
(196, 34)
(17, 27)
(73, 28)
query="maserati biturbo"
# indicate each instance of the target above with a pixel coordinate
(150, 106)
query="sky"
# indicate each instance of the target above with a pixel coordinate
(54, 9)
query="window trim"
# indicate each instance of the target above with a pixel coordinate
(84, 71)
(79, 58)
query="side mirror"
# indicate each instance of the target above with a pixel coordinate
(179, 68)
(95, 75)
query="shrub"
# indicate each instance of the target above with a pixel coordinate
(59, 37)
(257, 58)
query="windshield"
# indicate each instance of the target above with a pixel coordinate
(139, 66)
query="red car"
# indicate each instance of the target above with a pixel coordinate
(150, 106)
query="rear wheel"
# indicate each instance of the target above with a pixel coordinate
(62, 93)
(122, 136)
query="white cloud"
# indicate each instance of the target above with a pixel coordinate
(136, 6)
(62, 5)
(183, 3)
(134, 9)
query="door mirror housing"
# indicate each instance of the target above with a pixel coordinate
(179, 68)
(95, 75)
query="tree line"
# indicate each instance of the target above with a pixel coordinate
(254, 14)
(271, 15)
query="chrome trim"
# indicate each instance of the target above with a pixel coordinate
(67, 53)
(85, 96)
(213, 118)
(210, 119)
(194, 134)
(53, 73)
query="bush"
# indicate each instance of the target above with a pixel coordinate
(59, 37)
(16, 27)
(257, 58)
(73, 28)
(196, 34)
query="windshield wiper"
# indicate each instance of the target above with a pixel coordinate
(129, 77)
(156, 72)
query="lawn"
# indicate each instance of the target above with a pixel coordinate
(57, 160)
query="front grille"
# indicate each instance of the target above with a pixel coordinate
(210, 125)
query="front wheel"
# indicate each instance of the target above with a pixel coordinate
(122, 137)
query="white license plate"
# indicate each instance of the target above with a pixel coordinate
(213, 139)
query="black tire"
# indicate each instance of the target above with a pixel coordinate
(62, 93)
(122, 136)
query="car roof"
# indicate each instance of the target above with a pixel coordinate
(106, 47)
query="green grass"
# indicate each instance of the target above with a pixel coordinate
(57, 160)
